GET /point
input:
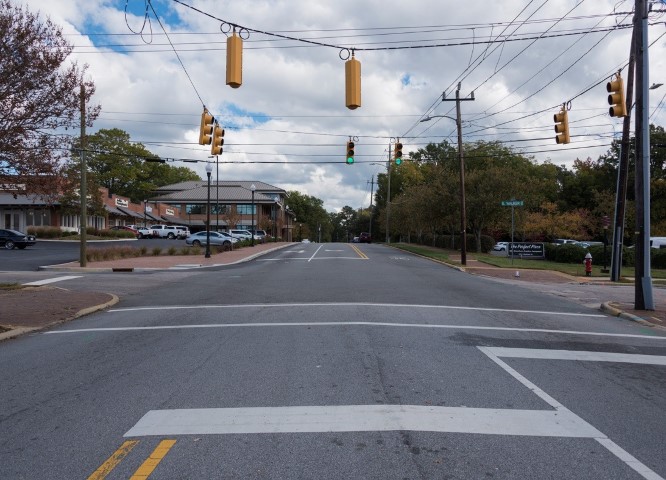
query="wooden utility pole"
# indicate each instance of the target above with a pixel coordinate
(623, 168)
(83, 261)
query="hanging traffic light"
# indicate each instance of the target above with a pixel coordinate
(234, 60)
(352, 83)
(206, 129)
(618, 105)
(562, 126)
(218, 140)
(350, 152)
(397, 153)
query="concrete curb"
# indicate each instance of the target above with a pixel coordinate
(606, 307)
(15, 332)
(441, 262)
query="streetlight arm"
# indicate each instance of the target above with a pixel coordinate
(427, 119)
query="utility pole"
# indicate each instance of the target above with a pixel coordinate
(372, 192)
(463, 215)
(83, 261)
(623, 168)
(388, 198)
(643, 282)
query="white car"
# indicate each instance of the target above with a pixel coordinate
(241, 234)
(501, 246)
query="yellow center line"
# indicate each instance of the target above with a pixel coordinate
(144, 471)
(113, 460)
(358, 251)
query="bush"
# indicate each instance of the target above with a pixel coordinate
(659, 258)
(568, 253)
(157, 251)
(172, 251)
(47, 232)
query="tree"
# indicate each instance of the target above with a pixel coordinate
(39, 96)
(310, 213)
(120, 165)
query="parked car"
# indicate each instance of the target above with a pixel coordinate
(364, 237)
(355, 240)
(164, 231)
(260, 235)
(144, 232)
(216, 238)
(501, 246)
(658, 242)
(11, 239)
(183, 232)
(241, 234)
(564, 241)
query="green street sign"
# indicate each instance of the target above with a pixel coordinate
(512, 203)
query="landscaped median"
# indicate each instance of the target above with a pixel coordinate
(452, 257)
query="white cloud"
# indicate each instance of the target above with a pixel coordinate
(301, 87)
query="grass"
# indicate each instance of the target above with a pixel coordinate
(506, 262)
(10, 286)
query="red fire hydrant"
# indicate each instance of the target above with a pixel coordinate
(588, 264)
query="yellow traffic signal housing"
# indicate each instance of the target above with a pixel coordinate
(234, 61)
(350, 152)
(353, 83)
(562, 126)
(616, 99)
(206, 129)
(397, 153)
(218, 141)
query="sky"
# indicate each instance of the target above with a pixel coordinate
(287, 124)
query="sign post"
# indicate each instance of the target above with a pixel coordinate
(512, 204)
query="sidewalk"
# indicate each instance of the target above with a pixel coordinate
(33, 308)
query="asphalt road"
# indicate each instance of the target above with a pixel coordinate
(333, 361)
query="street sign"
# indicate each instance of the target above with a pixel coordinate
(512, 203)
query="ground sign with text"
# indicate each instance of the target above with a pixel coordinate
(527, 250)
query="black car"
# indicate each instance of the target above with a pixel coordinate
(14, 239)
(364, 237)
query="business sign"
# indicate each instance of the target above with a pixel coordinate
(527, 250)
(171, 212)
(512, 203)
(121, 202)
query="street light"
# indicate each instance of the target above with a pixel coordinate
(252, 189)
(209, 170)
(463, 219)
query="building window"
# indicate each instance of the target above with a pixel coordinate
(243, 209)
(223, 209)
(195, 209)
(38, 217)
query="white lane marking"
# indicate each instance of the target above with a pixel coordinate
(327, 250)
(315, 253)
(576, 355)
(362, 418)
(308, 258)
(611, 446)
(347, 324)
(52, 280)
(357, 304)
